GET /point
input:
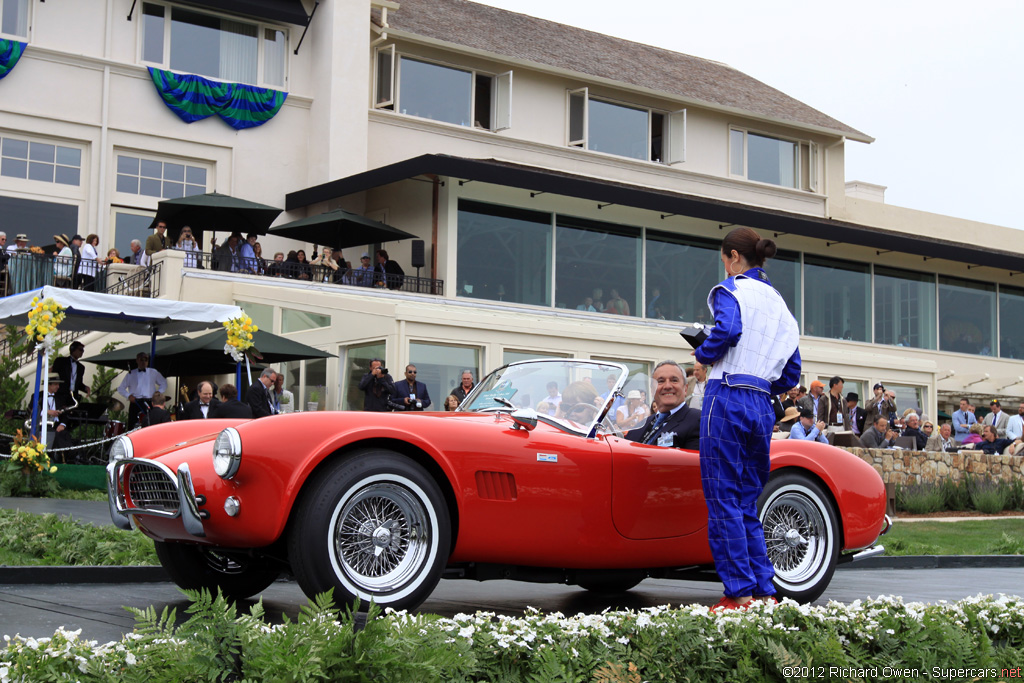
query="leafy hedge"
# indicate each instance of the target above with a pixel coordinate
(52, 540)
(979, 638)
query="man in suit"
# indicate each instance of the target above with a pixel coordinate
(258, 395)
(675, 424)
(51, 403)
(878, 435)
(962, 421)
(997, 418)
(158, 412)
(388, 272)
(943, 441)
(411, 394)
(883, 404)
(230, 406)
(202, 406)
(158, 240)
(855, 415)
(72, 373)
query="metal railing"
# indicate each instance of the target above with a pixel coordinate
(27, 271)
(307, 272)
(144, 283)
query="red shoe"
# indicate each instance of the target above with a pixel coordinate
(727, 603)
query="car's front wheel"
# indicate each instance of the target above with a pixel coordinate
(193, 567)
(801, 533)
(374, 527)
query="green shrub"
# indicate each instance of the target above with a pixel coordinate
(919, 499)
(957, 494)
(52, 540)
(1008, 545)
(989, 497)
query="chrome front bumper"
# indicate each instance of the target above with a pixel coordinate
(155, 490)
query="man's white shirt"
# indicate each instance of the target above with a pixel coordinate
(142, 383)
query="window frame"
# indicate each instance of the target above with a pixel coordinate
(27, 38)
(30, 140)
(805, 180)
(208, 166)
(500, 113)
(673, 137)
(261, 27)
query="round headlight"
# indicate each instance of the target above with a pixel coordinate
(121, 449)
(227, 453)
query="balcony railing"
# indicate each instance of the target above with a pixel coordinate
(307, 272)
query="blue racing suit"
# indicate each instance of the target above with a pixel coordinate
(753, 355)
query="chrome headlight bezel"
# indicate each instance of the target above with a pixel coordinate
(121, 449)
(227, 453)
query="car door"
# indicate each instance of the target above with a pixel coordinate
(656, 491)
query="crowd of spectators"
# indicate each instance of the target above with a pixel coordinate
(381, 393)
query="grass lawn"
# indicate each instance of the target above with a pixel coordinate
(974, 537)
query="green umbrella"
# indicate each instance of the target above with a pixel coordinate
(339, 229)
(214, 212)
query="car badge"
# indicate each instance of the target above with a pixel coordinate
(547, 457)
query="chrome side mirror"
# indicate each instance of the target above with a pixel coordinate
(525, 418)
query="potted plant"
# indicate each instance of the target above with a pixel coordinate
(313, 402)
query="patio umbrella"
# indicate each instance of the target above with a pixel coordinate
(214, 212)
(339, 229)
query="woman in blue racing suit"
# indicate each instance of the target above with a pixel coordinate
(752, 353)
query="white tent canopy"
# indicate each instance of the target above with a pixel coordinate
(89, 311)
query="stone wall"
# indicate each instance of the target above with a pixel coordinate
(926, 467)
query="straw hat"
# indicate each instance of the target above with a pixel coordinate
(62, 239)
(792, 413)
(634, 394)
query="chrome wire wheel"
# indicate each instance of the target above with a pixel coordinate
(381, 536)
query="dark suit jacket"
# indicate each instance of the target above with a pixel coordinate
(860, 415)
(232, 408)
(392, 273)
(258, 399)
(62, 366)
(158, 415)
(192, 411)
(402, 392)
(60, 401)
(685, 423)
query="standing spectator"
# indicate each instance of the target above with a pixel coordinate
(284, 400)
(616, 304)
(258, 394)
(855, 415)
(807, 429)
(833, 413)
(138, 387)
(63, 265)
(261, 263)
(1015, 425)
(962, 421)
(202, 407)
(247, 255)
(451, 403)
(276, 267)
(815, 401)
(188, 244)
(411, 394)
(943, 441)
(227, 257)
(363, 275)
(158, 240)
(700, 384)
(158, 413)
(230, 406)
(72, 373)
(790, 399)
(88, 267)
(997, 418)
(388, 273)
(377, 387)
(465, 386)
(325, 266)
(303, 269)
(617, 403)
(878, 435)
(3, 251)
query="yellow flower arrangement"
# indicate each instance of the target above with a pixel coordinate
(240, 332)
(29, 469)
(44, 319)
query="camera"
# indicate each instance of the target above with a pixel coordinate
(419, 404)
(383, 370)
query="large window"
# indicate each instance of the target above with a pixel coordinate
(837, 298)
(295, 320)
(625, 130)
(680, 273)
(443, 93)
(129, 225)
(504, 254)
(161, 179)
(42, 161)
(14, 18)
(904, 308)
(440, 367)
(356, 364)
(967, 316)
(40, 221)
(784, 272)
(1011, 322)
(214, 46)
(599, 262)
(772, 160)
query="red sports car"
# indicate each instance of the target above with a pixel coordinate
(522, 482)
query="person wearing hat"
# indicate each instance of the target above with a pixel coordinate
(815, 401)
(64, 264)
(158, 240)
(363, 275)
(785, 424)
(633, 412)
(20, 244)
(138, 387)
(52, 404)
(997, 418)
(806, 428)
(881, 404)
(855, 415)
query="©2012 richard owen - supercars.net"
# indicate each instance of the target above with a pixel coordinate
(380, 506)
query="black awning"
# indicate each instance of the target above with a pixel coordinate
(286, 11)
(604, 191)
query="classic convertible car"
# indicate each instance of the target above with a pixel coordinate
(380, 506)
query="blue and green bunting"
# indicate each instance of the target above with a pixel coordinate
(10, 53)
(193, 98)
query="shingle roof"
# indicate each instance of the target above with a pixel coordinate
(547, 43)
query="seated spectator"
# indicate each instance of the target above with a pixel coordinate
(878, 435)
(304, 270)
(991, 443)
(587, 305)
(974, 435)
(912, 421)
(805, 428)
(785, 425)
(276, 267)
(114, 256)
(451, 403)
(616, 304)
(943, 441)
(633, 413)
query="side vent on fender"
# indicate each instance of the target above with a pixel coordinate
(496, 485)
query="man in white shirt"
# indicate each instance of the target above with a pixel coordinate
(138, 388)
(1015, 426)
(700, 376)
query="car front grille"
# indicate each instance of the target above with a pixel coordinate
(150, 488)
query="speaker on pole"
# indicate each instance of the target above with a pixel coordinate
(418, 258)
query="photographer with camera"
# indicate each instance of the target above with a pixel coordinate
(377, 387)
(411, 394)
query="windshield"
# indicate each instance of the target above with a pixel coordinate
(570, 393)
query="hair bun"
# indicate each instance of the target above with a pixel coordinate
(765, 249)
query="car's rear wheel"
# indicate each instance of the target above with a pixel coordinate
(374, 527)
(801, 533)
(194, 567)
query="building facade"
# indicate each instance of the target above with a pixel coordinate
(547, 171)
